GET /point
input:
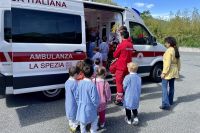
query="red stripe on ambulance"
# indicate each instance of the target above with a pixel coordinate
(148, 53)
(2, 57)
(47, 56)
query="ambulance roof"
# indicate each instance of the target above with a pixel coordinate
(101, 6)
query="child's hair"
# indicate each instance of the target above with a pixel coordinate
(104, 39)
(101, 72)
(132, 67)
(72, 71)
(88, 61)
(88, 71)
(122, 28)
(79, 66)
(172, 42)
(97, 61)
(125, 34)
(96, 49)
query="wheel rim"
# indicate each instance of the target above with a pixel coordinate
(52, 93)
(158, 73)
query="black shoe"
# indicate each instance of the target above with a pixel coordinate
(164, 107)
(118, 103)
(172, 103)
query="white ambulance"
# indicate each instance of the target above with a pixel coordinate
(41, 39)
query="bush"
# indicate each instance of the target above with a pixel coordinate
(185, 28)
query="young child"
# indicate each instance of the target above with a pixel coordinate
(88, 101)
(79, 67)
(132, 89)
(104, 92)
(104, 49)
(92, 45)
(70, 100)
(97, 55)
(96, 65)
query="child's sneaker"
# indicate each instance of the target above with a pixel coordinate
(127, 121)
(102, 125)
(135, 121)
(73, 130)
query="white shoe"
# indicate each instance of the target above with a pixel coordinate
(102, 125)
(127, 121)
(72, 129)
(135, 121)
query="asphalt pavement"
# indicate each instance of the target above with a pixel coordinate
(28, 114)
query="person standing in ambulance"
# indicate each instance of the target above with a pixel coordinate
(123, 54)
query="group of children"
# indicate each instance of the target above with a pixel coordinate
(103, 51)
(87, 94)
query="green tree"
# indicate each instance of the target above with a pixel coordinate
(183, 25)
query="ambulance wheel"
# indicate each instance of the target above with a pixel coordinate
(50, 95)
(156, 72)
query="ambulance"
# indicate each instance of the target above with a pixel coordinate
(41, 39)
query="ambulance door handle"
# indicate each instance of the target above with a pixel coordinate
(78, 51)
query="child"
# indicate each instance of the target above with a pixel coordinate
(104, 49)
(96, 65)
(88, 101)
(104, 92)
(92, 45)
(97, 55)
(70, 101)
(79, 67)
(132, 89)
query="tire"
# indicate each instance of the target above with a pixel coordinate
(2, 85)
(51, 95)
(156, 72)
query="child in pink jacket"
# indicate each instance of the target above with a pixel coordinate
(104, 92)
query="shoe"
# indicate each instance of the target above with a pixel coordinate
(171, 103)
(118, 103)
(72, 130)
(165, 107)
(127, 121)
(135, 121)
(102, 125)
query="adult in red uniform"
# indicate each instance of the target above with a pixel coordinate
(124, 28)
(124, 54)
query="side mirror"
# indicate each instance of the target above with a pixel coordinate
(153, 41)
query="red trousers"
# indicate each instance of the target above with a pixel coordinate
(104, 64)
(119, 83)
(102, 118)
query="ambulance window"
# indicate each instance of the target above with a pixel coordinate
(138, 33)
(31, 26)
(7, 26)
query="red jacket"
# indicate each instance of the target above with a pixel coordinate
(124, 54)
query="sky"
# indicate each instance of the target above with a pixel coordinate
(161, 8)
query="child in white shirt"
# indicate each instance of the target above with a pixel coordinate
(97, 55)
(104, 49)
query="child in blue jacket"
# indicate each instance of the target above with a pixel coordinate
(88, 101)
(70, 98)
(132, 89)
